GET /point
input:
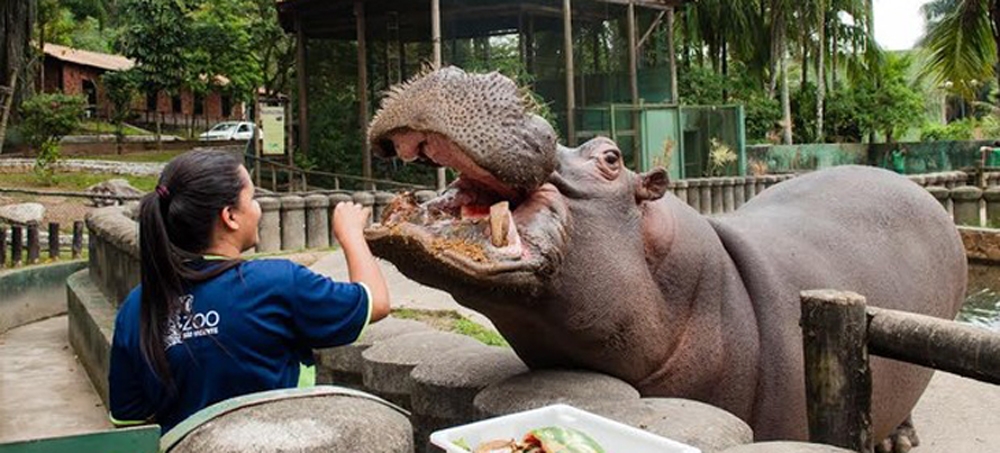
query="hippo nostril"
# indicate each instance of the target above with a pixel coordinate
(386, 148)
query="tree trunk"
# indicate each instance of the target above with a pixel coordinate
(995, 16)
(805, 62)
(786, 105)
(835, 54)
(821, 73)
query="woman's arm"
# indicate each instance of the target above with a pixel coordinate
(349, 220)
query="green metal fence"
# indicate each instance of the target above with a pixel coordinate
(680, 138)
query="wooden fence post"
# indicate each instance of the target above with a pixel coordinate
(838, 378)
(16, 246)
(53, 241)
(34, 247)
(77, 239)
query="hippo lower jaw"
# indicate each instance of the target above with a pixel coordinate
(479, 230)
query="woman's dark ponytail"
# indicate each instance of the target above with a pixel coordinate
(176, 224)
(161, 283)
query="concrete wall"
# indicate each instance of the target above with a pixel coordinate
(34, 293)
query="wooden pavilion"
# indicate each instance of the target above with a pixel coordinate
(411, 21)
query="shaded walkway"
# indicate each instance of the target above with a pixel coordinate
(44, 391)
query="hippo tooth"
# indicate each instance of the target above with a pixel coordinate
(500, 223)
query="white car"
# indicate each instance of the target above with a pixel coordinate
(230, 130)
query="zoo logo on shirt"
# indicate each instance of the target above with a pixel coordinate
(185, 324)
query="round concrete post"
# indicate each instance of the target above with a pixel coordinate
(751, 188)
(293, 223)
(366, 199)
(705, 206)
(317, 221)
(728, 194)
(717, 195)
(992, 197)
(739, 193)
(269, 228)
(761, 184)
(940, 194)
(694, 194)
(335, 199)
(966, 204)
(682, 190)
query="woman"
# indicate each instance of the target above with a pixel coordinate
(205, 325)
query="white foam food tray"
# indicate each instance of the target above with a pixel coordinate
(613, 436)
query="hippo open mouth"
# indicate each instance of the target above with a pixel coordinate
(479, 226)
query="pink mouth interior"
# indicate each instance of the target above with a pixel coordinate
(463, 211)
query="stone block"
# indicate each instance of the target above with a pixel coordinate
(308, 424)
(536, 389)
(694, 423)
(786, 447)
(269, 228)
(343, 365)
(293, 223)
(387, 365)
(317, 221)
(444, 387)
(966, 204)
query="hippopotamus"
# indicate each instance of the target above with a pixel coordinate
(580, 262)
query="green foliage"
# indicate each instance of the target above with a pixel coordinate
(961, 43)
(46, 118)
(120, 88)
(49, 117)
(956, 130)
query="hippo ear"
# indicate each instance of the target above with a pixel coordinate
(652, 185)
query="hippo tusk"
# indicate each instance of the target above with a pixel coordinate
(500, 224)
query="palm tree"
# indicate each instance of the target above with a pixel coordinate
(963, 41)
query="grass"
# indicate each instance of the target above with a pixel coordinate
(143, 157)
(73, 182)
(452, 321)
(95, 127)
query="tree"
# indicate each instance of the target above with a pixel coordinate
(962, 39)
(48, 118)
(121, 88)
(16, 20)
(155, 33)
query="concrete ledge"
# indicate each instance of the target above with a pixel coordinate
(537, 389)
(34, 293)
(343, 365)
(387, 364)
(91, 328)
(786, 447)
(698, 424)
(301, 420)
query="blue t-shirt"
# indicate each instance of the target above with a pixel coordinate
(246, 330)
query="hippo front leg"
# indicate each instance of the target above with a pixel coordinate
(902, 439)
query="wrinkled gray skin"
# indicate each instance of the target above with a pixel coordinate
(625, 280)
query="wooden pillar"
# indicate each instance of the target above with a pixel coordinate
(53, 241)
(436, 39)
(300, 61)
(671, 48)
(633, 76)
(838, 378)
(77, 239)
(359, 13)
(570, 73)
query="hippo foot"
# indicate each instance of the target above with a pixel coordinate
(902, 440)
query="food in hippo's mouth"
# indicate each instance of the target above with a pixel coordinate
(467, 218)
